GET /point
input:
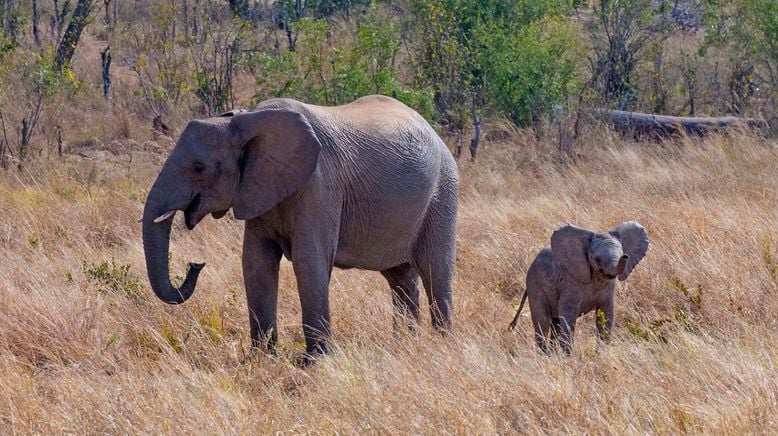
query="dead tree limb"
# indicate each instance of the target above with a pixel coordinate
(663, 126)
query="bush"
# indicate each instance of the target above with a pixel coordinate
(113, 278)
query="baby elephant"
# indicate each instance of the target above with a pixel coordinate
(577, 274)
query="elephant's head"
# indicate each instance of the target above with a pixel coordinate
(614, 254)
(248, 162)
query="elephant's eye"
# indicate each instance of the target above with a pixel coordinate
(199, 168)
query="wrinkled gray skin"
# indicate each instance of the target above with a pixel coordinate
(577, 274)
(366, 185)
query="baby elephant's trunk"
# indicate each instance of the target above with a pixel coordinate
(518, 312)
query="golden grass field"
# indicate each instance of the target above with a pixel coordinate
(85, 347)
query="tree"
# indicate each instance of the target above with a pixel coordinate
(78, 21)
(749, 30)
(510, 57)
(622, 32)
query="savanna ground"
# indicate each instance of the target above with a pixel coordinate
(85, 347)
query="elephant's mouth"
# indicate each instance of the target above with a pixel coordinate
(191, 213)
(608, 275)
(219, 214)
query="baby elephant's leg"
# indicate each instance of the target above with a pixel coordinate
(541, 320)
(569, 307)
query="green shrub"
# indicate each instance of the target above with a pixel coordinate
(115, 278)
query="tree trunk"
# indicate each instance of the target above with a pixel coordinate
(78, 21)
(59, 17)
(25, 140)
(11, 21)
(59, 140)
(195, 18)
(105, 60)
(662, 126)
(107, 18)
(185, 17)
(476, 128)
(36, 19)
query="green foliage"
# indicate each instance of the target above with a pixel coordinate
(212, 324)
(530, 72)
(7, 47)
(514, 55)
(685, 314)
(324, 71)
(750, 27)
(115, 279)
(173, 339)
(47, 81)
(34, 242)
(601, 322)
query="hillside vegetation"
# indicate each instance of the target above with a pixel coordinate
(85, 346)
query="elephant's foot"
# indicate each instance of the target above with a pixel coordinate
(313, 353)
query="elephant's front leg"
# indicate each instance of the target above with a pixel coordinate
(313, 256)
(569, 306)
(313, 279)
(261, 258)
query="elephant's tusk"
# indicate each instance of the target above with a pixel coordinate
(164, 216)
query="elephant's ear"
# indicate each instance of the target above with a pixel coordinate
(569, 245)
(279, 153)
(634, 243)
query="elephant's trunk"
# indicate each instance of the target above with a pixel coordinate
(156, 242)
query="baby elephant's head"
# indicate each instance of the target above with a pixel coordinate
(585, 254)
(606, 255)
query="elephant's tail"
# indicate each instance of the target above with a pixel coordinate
(518, 312)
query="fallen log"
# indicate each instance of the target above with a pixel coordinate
(640, 124)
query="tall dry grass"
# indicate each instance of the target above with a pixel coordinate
(86, 347)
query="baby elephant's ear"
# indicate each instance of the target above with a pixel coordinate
(634, 242)
(569, 246)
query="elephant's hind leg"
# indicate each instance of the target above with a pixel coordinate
(540, 312)
(403, 280)
(435, 255)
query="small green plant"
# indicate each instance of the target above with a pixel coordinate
(212, 324)
(695, 298)
(34, 242)
(115, 278)
(636, 330)
(176, 343)
(113, 339)
(601, 322)
(684, 316)
(652, 332)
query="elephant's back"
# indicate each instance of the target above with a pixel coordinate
(543, 273)
(387, 165)
(378, 124)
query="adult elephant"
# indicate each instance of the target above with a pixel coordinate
(366, 185)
